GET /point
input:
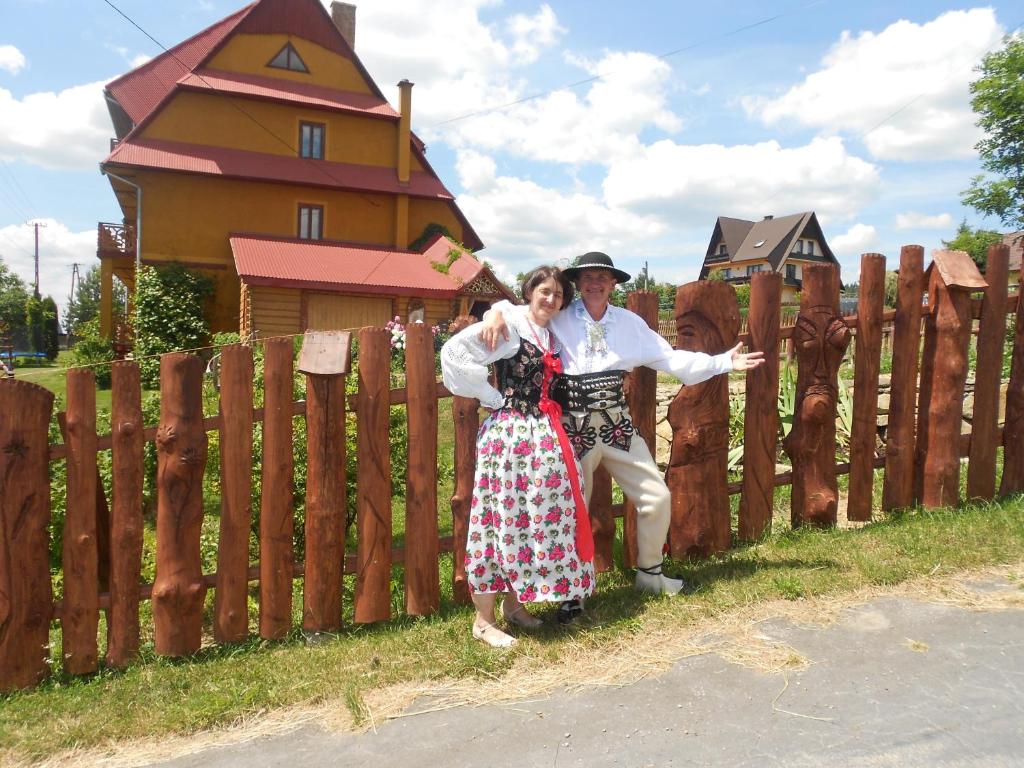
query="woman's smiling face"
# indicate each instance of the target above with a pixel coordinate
(546, 301)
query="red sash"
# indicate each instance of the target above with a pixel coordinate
(584, 537)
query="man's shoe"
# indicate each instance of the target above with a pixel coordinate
(653, 581)
(569, 611)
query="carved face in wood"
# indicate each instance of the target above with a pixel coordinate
(698, 430)
(821, 338)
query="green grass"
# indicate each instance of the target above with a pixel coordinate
(219, 685)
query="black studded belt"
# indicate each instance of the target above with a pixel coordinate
(590, 391)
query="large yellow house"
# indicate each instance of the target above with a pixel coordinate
(261, 153)
(739, 249)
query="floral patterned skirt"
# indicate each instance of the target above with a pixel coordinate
(522, 524)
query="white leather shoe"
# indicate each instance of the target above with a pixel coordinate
(653, 581)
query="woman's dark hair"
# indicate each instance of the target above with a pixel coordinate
(539, 275)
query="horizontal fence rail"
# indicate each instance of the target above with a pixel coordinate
(103, 538)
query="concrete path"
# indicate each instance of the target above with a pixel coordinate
(895, 683)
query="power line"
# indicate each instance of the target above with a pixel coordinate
(14, 179)
(602, 75)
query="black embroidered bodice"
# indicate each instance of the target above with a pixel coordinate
(520, 378)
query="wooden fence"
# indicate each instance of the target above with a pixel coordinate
(103, 545)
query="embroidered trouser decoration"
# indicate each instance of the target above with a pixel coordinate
(617, 431)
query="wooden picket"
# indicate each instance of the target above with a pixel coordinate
(178, 593)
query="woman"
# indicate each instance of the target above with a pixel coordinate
(529, 533)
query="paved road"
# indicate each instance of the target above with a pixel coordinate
(896, 683)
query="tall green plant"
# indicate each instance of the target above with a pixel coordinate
(168, 315)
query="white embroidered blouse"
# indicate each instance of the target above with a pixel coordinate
(465, 359)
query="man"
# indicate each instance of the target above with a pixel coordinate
(600, 344)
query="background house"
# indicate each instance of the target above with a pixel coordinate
(740, 248)
(1016, 242)
(261, 153)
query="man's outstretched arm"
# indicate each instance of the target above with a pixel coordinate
(493, 330)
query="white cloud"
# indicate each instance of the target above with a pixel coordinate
(598, 126)
(910, 78)
(915, 220)
(525, 224)
(690, 185)
(59, 248)
(11, 59)
(858, 239)
(69, 130)
(532, 33)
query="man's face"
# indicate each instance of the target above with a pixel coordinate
(595, 286)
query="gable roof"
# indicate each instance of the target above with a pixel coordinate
(353, 268)
(771, 239)
(1016, 242)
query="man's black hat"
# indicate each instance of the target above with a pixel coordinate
(595, 260)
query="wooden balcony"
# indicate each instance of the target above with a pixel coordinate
(115, 241)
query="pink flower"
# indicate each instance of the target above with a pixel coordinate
(553, 515)
(525, 555)
(523, 520)
(553, 480)
(479, 571)
(499, 584)
(585, 581)
(522, 448)
(489, 550)
(562, 586)
(556, 553)
(522, 483)
(547, 443)
(538, 536)
(508, 502)
(528, 595)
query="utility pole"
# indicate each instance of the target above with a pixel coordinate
(75, 278)
(36, 225)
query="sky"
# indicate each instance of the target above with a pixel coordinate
(572, 126)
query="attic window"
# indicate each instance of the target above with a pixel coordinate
(759, 243)
(288, 58)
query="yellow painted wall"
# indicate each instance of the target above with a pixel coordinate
(436, 310)
(275, 311)
(423, 212)
(250, 54)
(211, 119)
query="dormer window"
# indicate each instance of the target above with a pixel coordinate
(288, 58)
(722, 249)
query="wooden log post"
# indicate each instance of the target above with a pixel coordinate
(981, 469)
(641, 398)
(422, 544)
(761, 414)
(466, 416)
(820, 337)
(602, 521)
(276, 505)
(868, 357)
(325, 359)
(80, 617)
(373, 485)
(707, 320)
(231, 599)
(1013, 427)
(951, 277)
(127, 442)
(26, 597)
(178, 589)
(898, 481)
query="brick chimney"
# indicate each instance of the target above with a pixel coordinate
(344, 17)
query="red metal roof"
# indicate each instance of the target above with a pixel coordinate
(276, 89)
(259, 166)
(264, 260)
(141, 90)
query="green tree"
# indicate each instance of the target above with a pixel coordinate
(85, 304)
(13, 300)
(974, 241)
(35, 323)
(168, 315)
(51, 329)
(998, 100)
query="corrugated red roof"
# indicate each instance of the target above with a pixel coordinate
(259, 166)
(141, 90)
(320, 264)
(287, 91)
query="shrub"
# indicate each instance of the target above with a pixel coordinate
(92, 349)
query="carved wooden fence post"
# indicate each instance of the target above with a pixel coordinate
(80, 617)
(761, 415)
(466, 415)
(373, 487)
(26, 597)
(820, 337)
(422, 587)
(178, 589)
(981, 470)
(602, 521)
(1013, 428)
(865, 386)
(276, 510)
(898, 482)
(128, 440)
(951, 276)
(231, 602)
(707, 320)
(325, 361)
(641, 399)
